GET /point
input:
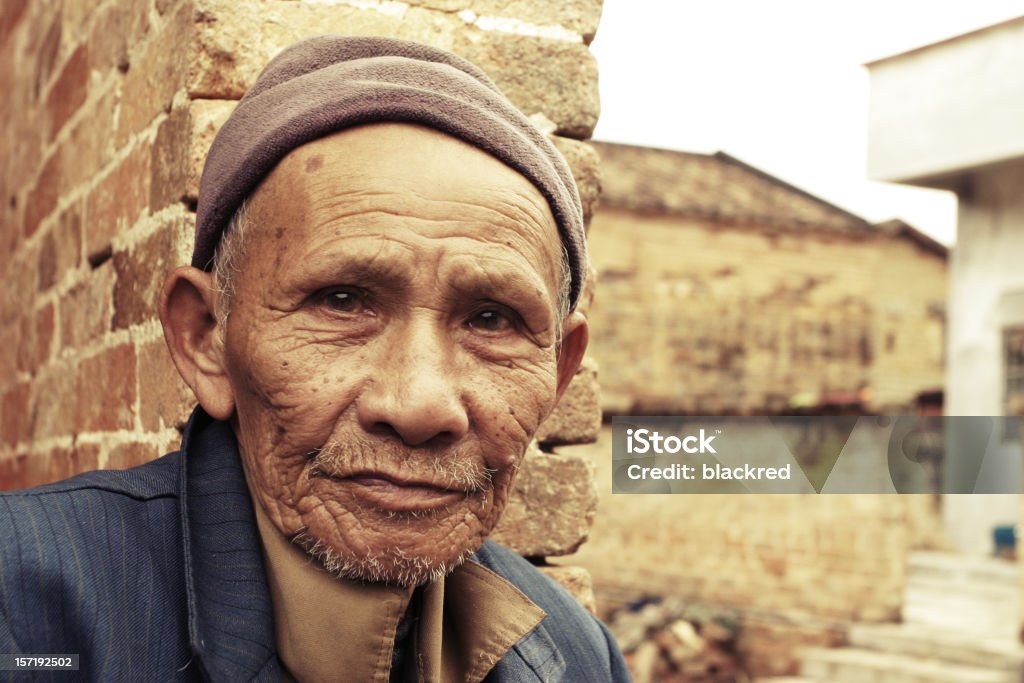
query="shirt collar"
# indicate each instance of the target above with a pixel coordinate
(231, 629)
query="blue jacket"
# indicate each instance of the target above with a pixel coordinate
(156, 574)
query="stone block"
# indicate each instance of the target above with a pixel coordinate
(236, 39)
(586, 169)
(70, 89)
(552, 506)
(540, 76)
(143, 267)
(168, 401)
(118, 200)
(577, 417)
(577, 16)
(577, 581)
(87, 308)
(206, 117)
(105, 391)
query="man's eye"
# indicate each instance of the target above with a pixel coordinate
(491, 320)
(345, 300)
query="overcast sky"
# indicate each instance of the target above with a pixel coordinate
(777, 83)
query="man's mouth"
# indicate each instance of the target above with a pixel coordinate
(398, 494)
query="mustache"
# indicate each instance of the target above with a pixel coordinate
(453, 468)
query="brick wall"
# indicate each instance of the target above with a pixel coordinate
(108, 109)
(702, 317)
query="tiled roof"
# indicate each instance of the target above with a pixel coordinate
(715, 186)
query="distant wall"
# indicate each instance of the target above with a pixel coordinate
(108, 109)
(703, 318)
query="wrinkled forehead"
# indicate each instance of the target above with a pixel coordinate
(364, 180)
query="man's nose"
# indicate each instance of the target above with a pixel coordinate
(416, 391)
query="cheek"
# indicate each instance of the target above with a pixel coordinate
(509, 407)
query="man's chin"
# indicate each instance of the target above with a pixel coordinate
(391, 565)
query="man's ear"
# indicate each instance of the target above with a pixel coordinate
(575, 336)
(194, 337)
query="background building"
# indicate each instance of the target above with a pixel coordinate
(948, 115)
(723, 290)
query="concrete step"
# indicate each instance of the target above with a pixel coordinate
(950, 645)
(855, 665)
(950, 566)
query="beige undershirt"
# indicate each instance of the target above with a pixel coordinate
(330, 629)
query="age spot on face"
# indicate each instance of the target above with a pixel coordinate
(314, 163)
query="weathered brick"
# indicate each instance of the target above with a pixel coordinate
(552, 506)
(207, 116)
(585, 163)
(19, 279)
(159, 69)
(36, 338)
(9, 336)
(61, 248)
(77, 15)
(118, 200)
(11, 211)
(88, 307)
(171, 161)
(167, 401)
(11, 12)
(551, 77)
(70, 90)
(90, 146)
(576, 580)
(13, 472)
(117, 28)
(127, 455)
(54, 401)
(14, 416)
(577, 417)
(37, 469)
(46, 56)
(42, 199)
(109, 374)
(142, 269)
(67, 462)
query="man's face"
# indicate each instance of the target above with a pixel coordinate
(391, 346)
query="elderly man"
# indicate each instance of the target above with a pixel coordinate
(378, 316)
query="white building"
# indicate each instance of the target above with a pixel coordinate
(951, 115)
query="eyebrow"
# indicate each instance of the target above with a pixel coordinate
(381, 262)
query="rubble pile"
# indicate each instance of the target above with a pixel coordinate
(666, 641)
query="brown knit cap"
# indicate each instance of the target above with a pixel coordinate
(330, 83)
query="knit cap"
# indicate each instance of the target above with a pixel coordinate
(330, 83)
